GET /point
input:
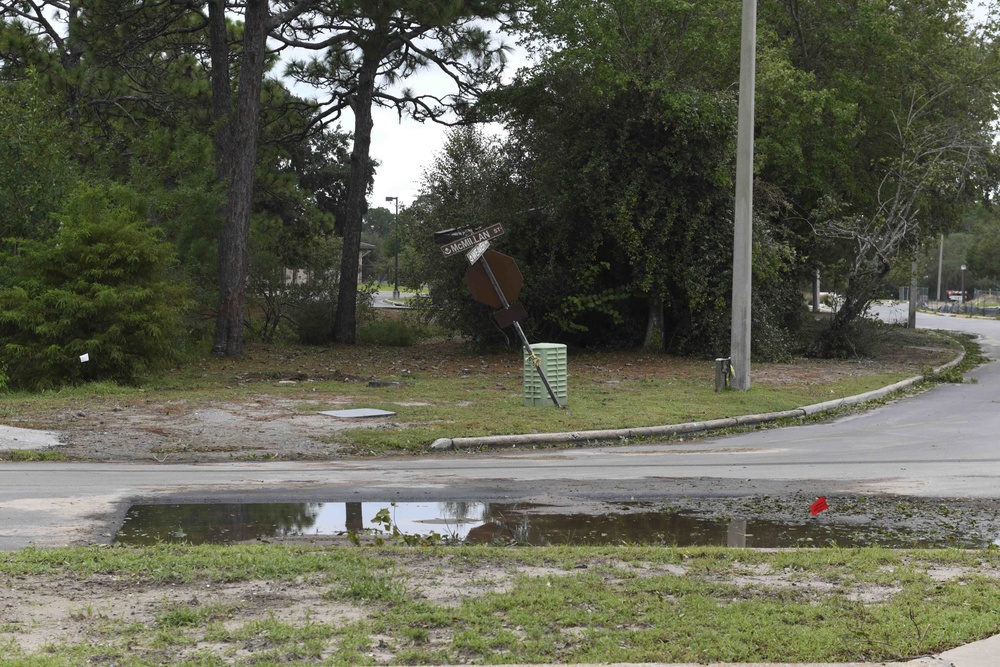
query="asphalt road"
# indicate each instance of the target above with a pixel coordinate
(941, 443)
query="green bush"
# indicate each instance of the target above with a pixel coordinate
(291, 292)
(99, 287)
(313, 320)
(392, 333)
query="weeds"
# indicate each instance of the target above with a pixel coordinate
(23, 455)
(483, 605)
(386, 527)
(402, 332)
(973, 358)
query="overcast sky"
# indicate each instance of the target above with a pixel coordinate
(403, 148)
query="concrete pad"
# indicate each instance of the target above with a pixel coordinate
(984, 653)
(12, 437)
(357, 413)
(738, 664)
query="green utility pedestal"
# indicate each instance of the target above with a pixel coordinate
(553, 362)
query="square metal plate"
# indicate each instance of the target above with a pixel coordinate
(357, 412)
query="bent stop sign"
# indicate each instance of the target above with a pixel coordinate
(504, 270)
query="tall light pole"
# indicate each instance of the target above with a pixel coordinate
(739, 347)
(940, 262)
(395, 289)
(963, 284)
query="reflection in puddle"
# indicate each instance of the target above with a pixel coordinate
(479, 522)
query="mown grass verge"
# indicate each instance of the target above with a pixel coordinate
(444, 389)
(270, 605)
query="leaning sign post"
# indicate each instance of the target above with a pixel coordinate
(505, 286)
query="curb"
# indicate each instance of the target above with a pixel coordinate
(570, 437)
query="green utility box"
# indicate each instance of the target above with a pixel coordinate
(553, 363)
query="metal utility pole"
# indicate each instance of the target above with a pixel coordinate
(816, 292)
(739, 350)
(395, 289)
(940, 262)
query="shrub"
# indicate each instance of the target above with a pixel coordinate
(393, 332)
(313, 320)
(291, 295)
(99, 288)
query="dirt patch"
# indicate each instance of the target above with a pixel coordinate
(38, 611)
(265, 406)
(234, 621)
(260, 428)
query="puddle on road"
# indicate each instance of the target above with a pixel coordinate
(615, 523)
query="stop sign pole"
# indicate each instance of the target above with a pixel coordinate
(477, 243)
(520, 332)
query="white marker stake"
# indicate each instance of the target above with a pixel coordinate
(84, 358)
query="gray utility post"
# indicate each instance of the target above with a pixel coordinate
(940, 260)
(739, 349)
(911, 320)
(395, 284)
(816, 292)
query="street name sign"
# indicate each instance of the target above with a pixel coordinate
(475, 238)
(477, 252)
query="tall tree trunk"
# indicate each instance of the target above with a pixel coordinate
(221, 89)
(70, 60)
(235, 233)
(345, 323)
(654, 325)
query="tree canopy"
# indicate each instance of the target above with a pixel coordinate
(367, 48)
(874, 129)
(875, 133)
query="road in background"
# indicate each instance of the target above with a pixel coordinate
(941, 443)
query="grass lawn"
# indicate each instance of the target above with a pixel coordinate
(284, 605)
(447, 389)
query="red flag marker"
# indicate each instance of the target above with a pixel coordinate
(819, 506)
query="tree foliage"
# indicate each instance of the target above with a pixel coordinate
(909, 101)
(465, 187)
(99, 287)
(367, 49)
(875, 133)
(983, 255)
(614, 181)
(380, 221)
(145, 94)
(36, 171)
